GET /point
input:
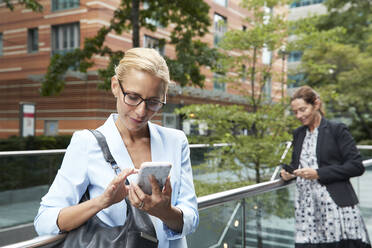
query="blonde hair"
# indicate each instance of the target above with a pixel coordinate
(144, 59)
(309, 95)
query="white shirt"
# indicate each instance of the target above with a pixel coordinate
(84, 167)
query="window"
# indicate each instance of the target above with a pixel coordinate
(65, 38)
(266, 89)
(64, 4)
(191, 127)
(266, 56)
(50, 128)
(220, 28)
(221, 2)
(33, 40)
(244, 73)
(1, 44)
(170, 120)
(294, 56)
(151, 42)
(300, 3)
(296, 80)
(218, 83)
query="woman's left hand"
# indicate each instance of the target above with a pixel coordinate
(158, 203)
(307, 173)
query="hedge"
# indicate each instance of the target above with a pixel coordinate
(16, 143)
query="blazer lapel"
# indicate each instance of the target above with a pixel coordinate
(320, 141)
(298, 145)
(157, 146)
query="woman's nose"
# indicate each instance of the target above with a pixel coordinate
(141, 109)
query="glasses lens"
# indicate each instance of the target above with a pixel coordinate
(132, 99)
(154, 105)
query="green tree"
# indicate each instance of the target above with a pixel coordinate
(257, 132)
(342, 74)
(190, 20)
(352, 15)
(335, 60)
(34, 5)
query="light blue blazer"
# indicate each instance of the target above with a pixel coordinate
(84, 167)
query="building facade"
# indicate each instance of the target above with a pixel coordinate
(298, 10)
(29, 39)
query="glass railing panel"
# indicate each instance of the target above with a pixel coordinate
(270, 219)
(206, 167)
(219, 226)
(23, 181)
(266, 219)
(362, 186)
(366, 153)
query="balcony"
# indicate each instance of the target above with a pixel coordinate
(245, 215)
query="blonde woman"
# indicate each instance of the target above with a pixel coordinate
(140, 86)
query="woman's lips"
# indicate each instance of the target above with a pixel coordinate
(137, 121)
(303, 120)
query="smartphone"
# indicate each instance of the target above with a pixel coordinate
(287, 168)
(159, 169)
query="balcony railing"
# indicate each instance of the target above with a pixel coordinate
(256, 213)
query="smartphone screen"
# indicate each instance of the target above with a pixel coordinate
(160, 170)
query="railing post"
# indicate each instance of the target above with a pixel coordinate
(243, 222)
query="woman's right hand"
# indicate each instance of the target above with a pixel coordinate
(74, 216)
(286, 176)
(116, 191)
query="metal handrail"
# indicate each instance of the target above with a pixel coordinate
(59, 151)
(37, 242)
(32, 152)
(364, 147)
(239, 193)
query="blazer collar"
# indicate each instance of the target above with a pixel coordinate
(157, 145)
(323, 123)
(319, 144)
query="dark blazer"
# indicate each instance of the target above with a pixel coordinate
(338, 159)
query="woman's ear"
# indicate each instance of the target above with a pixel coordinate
(114, 86)
(317, 104)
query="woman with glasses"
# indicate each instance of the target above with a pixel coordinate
(140, 86)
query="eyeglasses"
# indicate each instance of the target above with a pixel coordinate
(133, 99)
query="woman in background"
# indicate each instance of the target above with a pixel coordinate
(324, 158)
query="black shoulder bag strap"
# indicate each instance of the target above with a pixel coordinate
(106, 151)
(137, 231)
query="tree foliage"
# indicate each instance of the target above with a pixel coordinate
(189, 20)
(336, 54)
(352, 15)
(34, 5)
(267, 33)
(256, 140)
(257, 132)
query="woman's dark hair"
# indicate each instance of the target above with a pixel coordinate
(309, 95)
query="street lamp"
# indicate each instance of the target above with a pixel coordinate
(283, 53)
